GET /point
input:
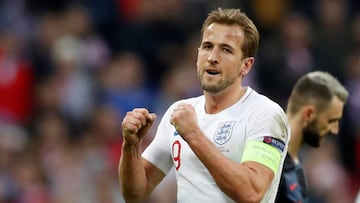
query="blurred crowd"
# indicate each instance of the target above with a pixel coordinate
(71, 69)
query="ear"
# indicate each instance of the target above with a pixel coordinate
(247, 65)
(308, 114)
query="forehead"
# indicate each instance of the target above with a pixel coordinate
(219, 33)
(334, 109)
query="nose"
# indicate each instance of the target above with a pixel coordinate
(213, 57)
(334, 128)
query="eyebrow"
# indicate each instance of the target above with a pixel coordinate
(205, 42)
(226, 45)
(221, 45)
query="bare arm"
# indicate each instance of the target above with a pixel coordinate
(137, 176)
(245, 182)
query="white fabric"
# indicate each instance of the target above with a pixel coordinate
(251, 118)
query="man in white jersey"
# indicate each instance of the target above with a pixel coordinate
(227, 145)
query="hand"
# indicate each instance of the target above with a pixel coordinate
(135, 125)
(184, 119)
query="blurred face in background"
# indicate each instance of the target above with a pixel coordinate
(325, 123)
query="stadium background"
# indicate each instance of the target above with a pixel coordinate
(70, 69)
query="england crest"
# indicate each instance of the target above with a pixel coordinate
(223, 132)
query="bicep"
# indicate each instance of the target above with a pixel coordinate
(263, 161)
(153, 175)
(261, 176)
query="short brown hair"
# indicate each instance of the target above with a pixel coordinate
(236, 17)
(317, 88)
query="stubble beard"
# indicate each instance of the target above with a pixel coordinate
(311, 136)
(215, 87)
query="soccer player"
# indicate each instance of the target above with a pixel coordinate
(314, 110)
(227, 145)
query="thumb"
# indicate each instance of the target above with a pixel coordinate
(149, 121)
(151, 118)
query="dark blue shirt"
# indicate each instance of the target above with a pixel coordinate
(293, 186)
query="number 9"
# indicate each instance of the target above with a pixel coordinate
(176, 148)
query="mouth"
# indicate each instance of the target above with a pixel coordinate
(212, 72)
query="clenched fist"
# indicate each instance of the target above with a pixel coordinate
(184, 119)
(135, 125)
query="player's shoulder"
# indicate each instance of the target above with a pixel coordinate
(192, 100)
(195, 101)
(264, 102)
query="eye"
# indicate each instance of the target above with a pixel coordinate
(227, 50)
(206, 46)
(334, 120)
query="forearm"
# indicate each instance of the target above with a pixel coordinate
(236, 180)
(132, 175)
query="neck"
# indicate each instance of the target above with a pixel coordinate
(220, 101)
(295, 143)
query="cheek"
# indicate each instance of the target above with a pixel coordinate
(240, 70)
(198, 64)
(324, 127)
(198, 71)
(200, 59)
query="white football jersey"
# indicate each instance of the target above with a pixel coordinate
(253, 118)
